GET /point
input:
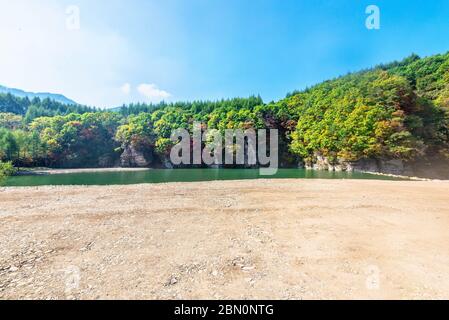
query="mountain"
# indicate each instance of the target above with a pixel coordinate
(42, 95)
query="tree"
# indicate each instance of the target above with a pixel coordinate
(6, 169)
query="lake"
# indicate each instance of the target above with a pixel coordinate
(178, 175)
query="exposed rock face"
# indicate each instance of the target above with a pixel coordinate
(367, 165)
(396, 167)
(167, 163)
(131, 158)
(323, 163)
(392, 166)
(107, 161)
(433, 167)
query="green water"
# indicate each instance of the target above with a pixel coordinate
(179, 175)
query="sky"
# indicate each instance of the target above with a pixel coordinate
(106, 53)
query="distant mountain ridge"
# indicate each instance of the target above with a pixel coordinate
(42, 95)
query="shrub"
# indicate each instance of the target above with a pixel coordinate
(6, 169)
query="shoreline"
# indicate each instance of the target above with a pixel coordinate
(48, 171)
(412, 178)
(195, 184)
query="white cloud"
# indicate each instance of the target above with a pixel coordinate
(152, 92)
(126, 88)
(48, 46)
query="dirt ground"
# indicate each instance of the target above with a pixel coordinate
(273, 239)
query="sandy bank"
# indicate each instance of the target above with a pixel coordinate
(266, 239)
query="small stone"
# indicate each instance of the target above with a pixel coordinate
(13, 269)
(248, 268)
(87, 247)
(172, 281)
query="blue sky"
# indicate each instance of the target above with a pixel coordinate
(146, 50)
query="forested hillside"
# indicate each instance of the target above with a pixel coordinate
(394, 111)
(397, 111)
(36, 107)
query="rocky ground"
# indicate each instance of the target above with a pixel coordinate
(276, 239)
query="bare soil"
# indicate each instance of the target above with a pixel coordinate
(273, 239)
